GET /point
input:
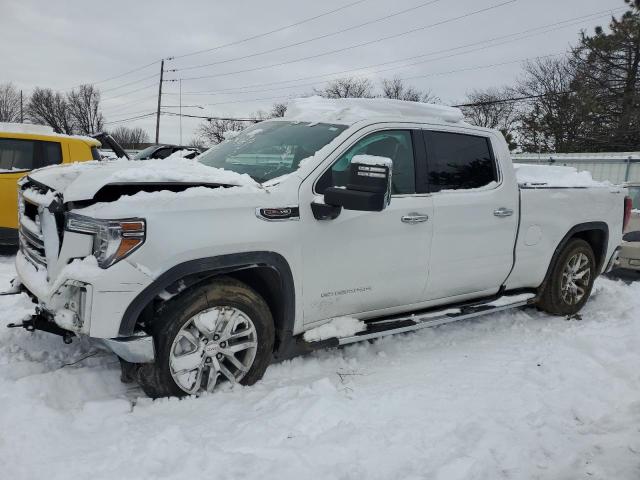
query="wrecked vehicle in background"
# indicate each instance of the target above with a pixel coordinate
(347, 220)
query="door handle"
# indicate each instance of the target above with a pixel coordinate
(503, 212)
(414, 218)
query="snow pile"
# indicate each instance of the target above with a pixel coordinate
(515, 395)
(336, 327)
(372, 160)
(554, 176)
(38, 198)
(351, 110)
(184, 153)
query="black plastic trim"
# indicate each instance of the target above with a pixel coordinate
(217, 266)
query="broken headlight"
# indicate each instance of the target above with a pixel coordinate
(113, 240)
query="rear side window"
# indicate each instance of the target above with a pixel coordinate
(51, 154)
(17, 154)
(162, 153)
(457, 161)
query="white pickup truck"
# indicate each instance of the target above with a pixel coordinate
(346, 220)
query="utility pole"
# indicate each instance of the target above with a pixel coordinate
(21, 113)
(159, 102)
(180, 83)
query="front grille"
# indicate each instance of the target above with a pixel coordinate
(32, 240)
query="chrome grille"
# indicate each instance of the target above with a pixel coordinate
(32, 242)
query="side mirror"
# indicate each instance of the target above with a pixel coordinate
(369, 187)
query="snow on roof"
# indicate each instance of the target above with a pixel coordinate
(6, 127)
(28, 128)
(351, 110)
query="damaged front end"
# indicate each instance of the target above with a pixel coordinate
(70, 267)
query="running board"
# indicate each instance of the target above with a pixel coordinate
(409, 323)
(381, 327)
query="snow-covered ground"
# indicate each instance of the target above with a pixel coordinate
(516, 395)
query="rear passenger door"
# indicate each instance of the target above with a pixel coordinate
(475, 215)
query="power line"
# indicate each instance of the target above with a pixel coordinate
(508, 39)
(120, 108)
(154, 84)
(351, 47)
(264, 34)
(413, 77)
(309, 40)
(130, 119)
(121, 75)
(131, 83)
(211, 117)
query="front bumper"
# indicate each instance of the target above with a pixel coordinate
(629, 257)
(85, 301)
(135, 349)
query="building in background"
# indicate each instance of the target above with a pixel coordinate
(618, 167)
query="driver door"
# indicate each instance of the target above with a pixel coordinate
(367, 261)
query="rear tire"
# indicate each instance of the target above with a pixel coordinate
(216, 332)
(569, 286)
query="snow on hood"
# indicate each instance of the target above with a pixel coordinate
(554, 176)
(80, 181)
(351, 110)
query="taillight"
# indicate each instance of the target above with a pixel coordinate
(627, 213)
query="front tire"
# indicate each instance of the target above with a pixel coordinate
(571, 280)
(218, 332)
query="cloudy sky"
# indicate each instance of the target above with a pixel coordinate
(235, 58)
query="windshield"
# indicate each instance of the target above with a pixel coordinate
(634, 193)
(144, 154)
(271, 149)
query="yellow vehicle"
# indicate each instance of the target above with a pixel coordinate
(24, 148)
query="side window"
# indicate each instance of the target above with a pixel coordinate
(51, 154)
(16, 154)
(393, 144)
(162, 153)
(458, 161)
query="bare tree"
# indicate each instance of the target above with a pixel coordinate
(556, 116)
(278, 110)
(396, 89)
(9, 103)
(84, 106)
(130, 137)
(47, 107)
(348, 87)
(197, 142)
(492, 108)
(213, 131)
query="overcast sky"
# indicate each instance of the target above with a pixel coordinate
(64, 43)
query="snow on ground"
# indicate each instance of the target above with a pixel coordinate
(517, 395)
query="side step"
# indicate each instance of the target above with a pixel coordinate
(408, 323)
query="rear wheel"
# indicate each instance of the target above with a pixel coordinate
(216, 333)
(571, 280)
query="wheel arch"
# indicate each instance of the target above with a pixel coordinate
(266, 272)
(596, 234)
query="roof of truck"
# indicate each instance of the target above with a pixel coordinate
(352, 110)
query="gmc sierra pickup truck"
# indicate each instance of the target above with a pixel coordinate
(344, 221)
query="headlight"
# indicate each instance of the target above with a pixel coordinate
(113, 240)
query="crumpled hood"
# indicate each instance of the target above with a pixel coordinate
(81, 181)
